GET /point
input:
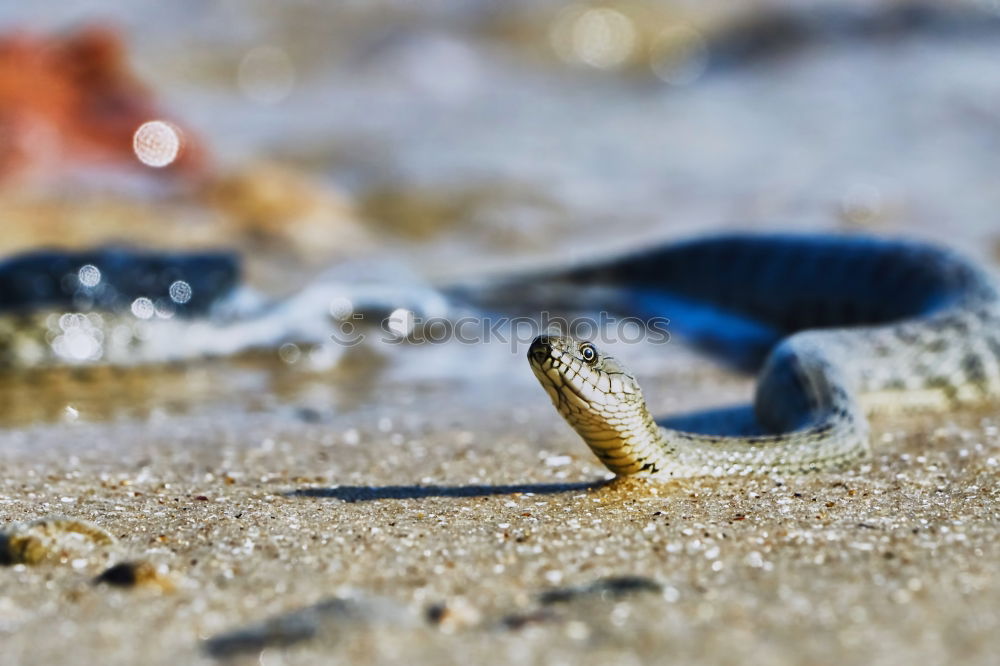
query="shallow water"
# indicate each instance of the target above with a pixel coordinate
(470, 148)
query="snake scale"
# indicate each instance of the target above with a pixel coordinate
(839, 326)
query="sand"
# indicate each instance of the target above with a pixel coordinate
(442, 524)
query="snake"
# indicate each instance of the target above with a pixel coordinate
(124, 306)
(837, 328)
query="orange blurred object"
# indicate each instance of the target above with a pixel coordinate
(70, 102)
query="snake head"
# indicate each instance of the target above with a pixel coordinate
(581, 380)
(600, 400)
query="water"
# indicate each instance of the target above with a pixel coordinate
(469, 141)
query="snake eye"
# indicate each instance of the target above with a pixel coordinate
(588, 352)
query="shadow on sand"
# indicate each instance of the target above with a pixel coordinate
(371, 493)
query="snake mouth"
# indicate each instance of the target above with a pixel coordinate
(540, 350)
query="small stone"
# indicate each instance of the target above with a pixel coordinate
(454, 615)
(132, 574)
(614, 588)
(50, 539)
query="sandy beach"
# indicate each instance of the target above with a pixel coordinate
(453, 533)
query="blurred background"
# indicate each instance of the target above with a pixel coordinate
(437, 140)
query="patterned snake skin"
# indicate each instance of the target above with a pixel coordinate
(843, 326)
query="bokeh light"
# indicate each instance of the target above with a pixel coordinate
(89, 276)
(164, 308)
(156, 143)
(143, 308)
(79, 337)
(180, 292)
(679, 56)
(341, 307)
(600, 37)
(289, 353)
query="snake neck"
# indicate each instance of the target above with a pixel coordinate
(623, 436)
(806, 405)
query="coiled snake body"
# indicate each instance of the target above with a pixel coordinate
(833, 322)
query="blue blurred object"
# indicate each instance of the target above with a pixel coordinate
(112, 278)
